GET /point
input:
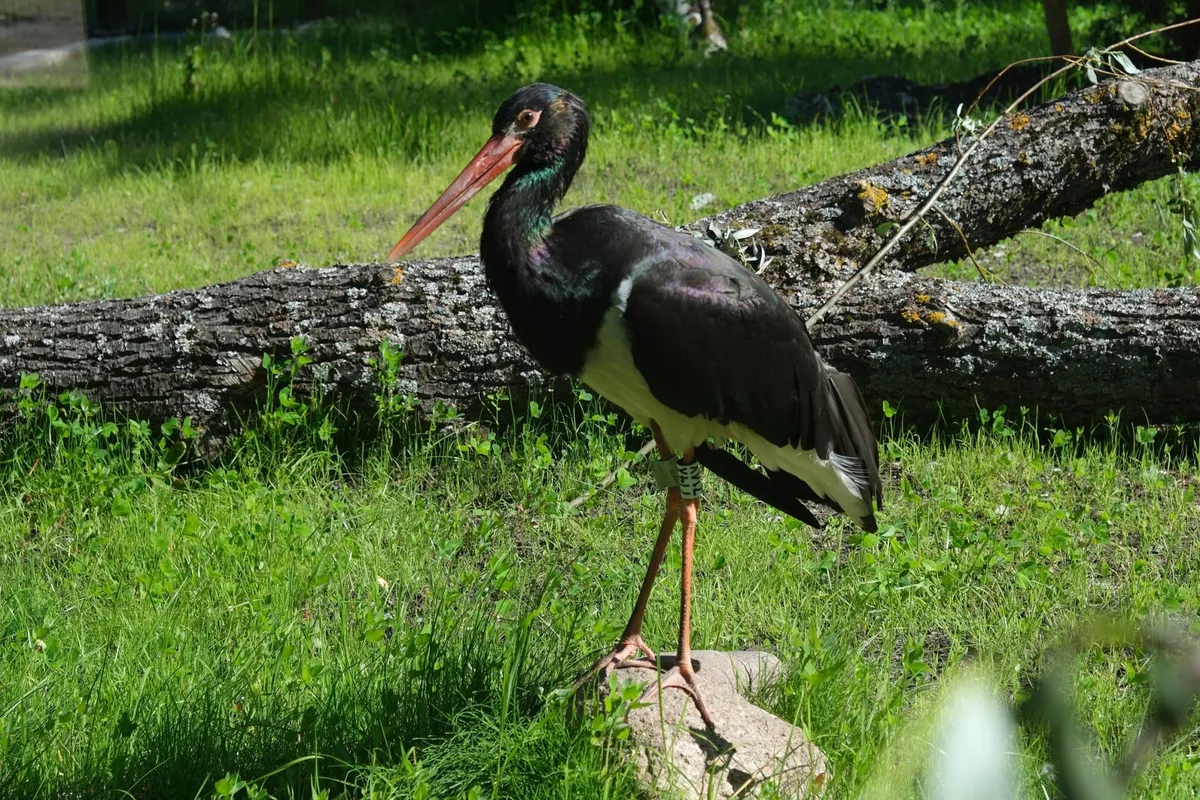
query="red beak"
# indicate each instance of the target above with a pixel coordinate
(497, 155)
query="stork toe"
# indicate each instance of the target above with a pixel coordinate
(621, 657)
(685, 681)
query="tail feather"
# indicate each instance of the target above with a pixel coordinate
(853, 450)
(856, 438)
(773, 488)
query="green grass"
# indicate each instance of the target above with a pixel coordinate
(382, 623)
(392, 619)
(323, 148)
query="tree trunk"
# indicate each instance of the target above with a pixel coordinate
(1059, 27)
(709, 30)
(931, 347)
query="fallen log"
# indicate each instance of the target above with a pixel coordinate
(931, 347)
(1050, 162)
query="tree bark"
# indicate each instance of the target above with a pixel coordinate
(1059, 27)
(931, 347)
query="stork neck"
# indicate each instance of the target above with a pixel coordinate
(520, 213)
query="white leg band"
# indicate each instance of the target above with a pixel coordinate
(666, 473)
(689, 480)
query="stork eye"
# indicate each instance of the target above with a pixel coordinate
(527, 119)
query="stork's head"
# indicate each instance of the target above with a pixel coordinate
(545, 120)
(538, 128)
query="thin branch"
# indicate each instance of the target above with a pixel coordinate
(1077, 60)
(1072, 60)
(919, 214)
(983, 271)
(1152, 57)
(1076, 248)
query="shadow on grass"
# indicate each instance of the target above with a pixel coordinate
(306, 104)
(450, 700)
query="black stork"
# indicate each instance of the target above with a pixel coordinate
(692, 344)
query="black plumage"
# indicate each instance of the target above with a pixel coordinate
(742, 354)
(686, 339)
(778, 489)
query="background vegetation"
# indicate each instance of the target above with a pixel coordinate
(392, 619)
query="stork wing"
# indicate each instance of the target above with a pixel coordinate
(713, 339)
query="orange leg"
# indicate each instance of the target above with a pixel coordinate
(631, 643)
(682, 676)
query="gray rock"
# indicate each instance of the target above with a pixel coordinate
(677, 757)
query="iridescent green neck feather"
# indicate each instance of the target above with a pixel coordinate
(520, 214)
(535, 194)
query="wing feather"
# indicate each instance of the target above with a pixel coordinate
(859, 440)
(780, 495)
(713, 339)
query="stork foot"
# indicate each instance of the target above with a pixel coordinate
(683, 678)
(622, 657)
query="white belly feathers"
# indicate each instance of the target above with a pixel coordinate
(610, 371)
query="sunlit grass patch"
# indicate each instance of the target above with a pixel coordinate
(391, 617)
(383, 619)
